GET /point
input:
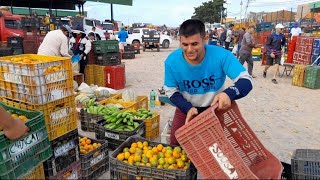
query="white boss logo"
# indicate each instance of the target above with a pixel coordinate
(223, 161)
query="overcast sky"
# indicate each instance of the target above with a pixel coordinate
(174, 12)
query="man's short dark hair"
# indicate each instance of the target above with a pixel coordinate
(243, 28)
(231, 25)
(191, 27)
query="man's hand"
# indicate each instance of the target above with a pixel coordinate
(193, 112)
(16, 129)
(223, 101)
(272, 55)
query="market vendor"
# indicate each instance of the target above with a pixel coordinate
(195, 76)
(80, 45)
(55, 43)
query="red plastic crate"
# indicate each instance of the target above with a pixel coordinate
(306, 49)
(301, 58)
(115, 76)
(222, 146)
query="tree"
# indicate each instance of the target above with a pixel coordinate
(210, 11)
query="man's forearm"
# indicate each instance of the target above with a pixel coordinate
(240, 89)
(178, 100)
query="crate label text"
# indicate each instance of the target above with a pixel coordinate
(97, 159)
(223, 162)
(111, 135)
(57, 115)
(64, 148)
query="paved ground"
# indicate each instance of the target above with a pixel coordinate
(283, 116)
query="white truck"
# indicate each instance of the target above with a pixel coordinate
(136, 37)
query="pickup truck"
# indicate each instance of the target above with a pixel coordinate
(136, 37)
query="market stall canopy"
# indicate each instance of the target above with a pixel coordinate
(121, 2)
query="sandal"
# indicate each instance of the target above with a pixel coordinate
(274, 81)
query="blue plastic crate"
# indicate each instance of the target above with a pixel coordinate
(313, 58)
(316, 51)
(305, 164)
(316, 43)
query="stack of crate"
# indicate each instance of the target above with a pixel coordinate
(45, 83)
(129, 52)
(107, 70)
(291, 48)
(315, 51)
(303, 50)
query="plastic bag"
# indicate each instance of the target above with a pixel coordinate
(75, 58)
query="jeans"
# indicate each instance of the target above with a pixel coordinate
(247, 58)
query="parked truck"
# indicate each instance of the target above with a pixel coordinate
(10, 25)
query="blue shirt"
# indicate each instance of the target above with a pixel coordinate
(198, 84)
(122, 35)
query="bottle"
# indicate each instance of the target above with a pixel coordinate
(152, 99)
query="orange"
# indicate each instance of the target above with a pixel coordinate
(137, 158)
(154, 163)
(167, 155)
(120, 156)
(126, 155)
(160, 166)
(145, 144)
(177, 149)
(180, 164)
(23, 118)
(155, 149)
(161, 161)
(134, 145)
(88, 141)
(176, 154)
(161, 155)
(166, 165)
(163, 150)
(184, 158)
(140, 145)
(171, 161)
(149, 153)
(159, 147)
(145, 160)
(132, 150)
(14, 115)
(148, 164)
(126, 149)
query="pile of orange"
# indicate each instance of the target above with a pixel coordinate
(21, 117)
(141, 154)
(86, 146)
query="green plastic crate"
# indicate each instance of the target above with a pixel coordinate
(20, 156)
(312, 77)
(107, 46)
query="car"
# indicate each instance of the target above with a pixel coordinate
(136, 37)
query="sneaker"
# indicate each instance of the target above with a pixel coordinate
(274, 81)
(264, 74)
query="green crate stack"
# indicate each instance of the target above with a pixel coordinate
(107, 46)
(312, 77)
(20, 156)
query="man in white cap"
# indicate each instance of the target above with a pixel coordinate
(274, 45)
(55, 43)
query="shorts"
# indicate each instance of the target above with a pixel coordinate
(122, 45)
(270, 61)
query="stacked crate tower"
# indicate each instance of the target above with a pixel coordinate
(45, 83)
(107, 70)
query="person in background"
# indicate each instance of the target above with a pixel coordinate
(229, 36)
(247, 44)
(91, 36)
(12, 128)
(80, 45)
(195, 76)
(222, 36)
(274, 45)
(239, 40)
(296, 30)
(122, 35)
(96, 35)
(55, 43)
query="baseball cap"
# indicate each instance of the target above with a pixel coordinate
(280, 26)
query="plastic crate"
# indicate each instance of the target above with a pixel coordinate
(88, 120)
(121, 170)
(115, 77)
(312, 77)
(141, 101)
(17, 51)
(65, 150)
(95, 162)
(6, 51)
(36, 173)
(305, 164)
(73, 171)
(256, 52)
(129, 55)
(89, 74)
(298, 75)
(36, 83)
(106, 134)
(15, 42)
(22, 155)
(99, 75)
(129, 48)
(152, 125)
(222, 146)
(286, 173)
(256, 58)
(108, 59)
(124, 104)
(60, 116)
(107, 46)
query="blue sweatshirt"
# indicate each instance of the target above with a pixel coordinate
(190, 86)
(122, 35)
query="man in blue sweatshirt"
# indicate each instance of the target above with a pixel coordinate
(122, 35)
(195, 76)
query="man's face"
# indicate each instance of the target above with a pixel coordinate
(193, 47)
(252, 30)
(279, 30)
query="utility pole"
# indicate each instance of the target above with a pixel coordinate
(241, 3)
